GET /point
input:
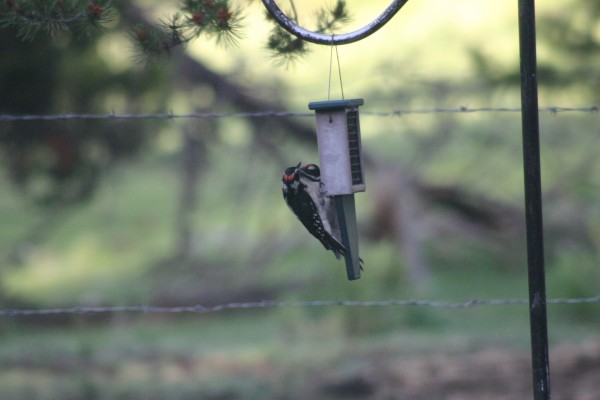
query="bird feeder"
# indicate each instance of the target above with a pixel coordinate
(340, 155)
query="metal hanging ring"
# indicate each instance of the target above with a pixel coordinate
(320, 38)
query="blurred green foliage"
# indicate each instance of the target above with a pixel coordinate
(117, 244)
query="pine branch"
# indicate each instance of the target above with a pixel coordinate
(212, 18)
(333, 18)
(31, 17)
(286, 48)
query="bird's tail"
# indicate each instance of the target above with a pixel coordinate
(339, 250)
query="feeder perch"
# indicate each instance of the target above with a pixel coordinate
(340, 155)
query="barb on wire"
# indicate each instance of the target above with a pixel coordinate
(200, 309)
(265, 114)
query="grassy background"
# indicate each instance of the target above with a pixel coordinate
(117, 250)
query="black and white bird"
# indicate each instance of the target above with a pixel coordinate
(302, 191)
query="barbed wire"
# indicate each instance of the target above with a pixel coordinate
(201, 309)
(170, 115)
(265, 114)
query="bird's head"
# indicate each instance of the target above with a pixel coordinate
(311, 172)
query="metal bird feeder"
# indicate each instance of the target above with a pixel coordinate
(340, 155)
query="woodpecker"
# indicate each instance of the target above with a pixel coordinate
(302, 192)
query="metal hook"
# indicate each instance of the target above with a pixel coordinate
(339, 39)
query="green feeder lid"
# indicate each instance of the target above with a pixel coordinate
(335, 104)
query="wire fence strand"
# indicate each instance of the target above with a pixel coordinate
(201, 309)
(265, 114)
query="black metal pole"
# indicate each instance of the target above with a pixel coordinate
(533, 201)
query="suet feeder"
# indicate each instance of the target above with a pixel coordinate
(340, 156)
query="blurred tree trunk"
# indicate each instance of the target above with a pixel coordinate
(192, 152)
(408, 231)
(398, 217)
(190, 73)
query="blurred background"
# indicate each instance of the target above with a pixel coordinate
(185, 211)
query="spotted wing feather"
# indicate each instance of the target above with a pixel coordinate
(303, 206)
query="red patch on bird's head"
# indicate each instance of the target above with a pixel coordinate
(289, 178)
